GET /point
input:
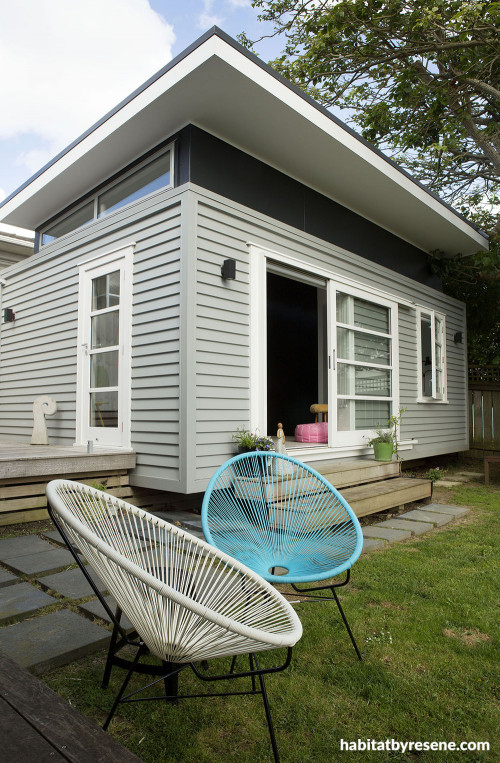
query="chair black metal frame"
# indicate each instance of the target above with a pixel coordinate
(111, 513)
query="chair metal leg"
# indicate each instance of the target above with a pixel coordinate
(120, 694)
(344, 618)
(267, 709)
(111, 651)
(171, 682)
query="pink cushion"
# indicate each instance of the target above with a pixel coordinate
(312, 432)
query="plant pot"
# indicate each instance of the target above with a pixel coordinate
(383, 451)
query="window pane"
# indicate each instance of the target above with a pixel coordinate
(426, 350)
(105, 330)
(151, 178)
(360, 312)
(104, 369)
(106, 291)
(103, 409)
(73, 221)
(363, 381)
(354, 345)
(362, 414)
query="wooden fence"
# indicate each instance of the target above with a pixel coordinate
(484, 409)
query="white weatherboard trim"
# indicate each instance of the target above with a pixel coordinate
(351, 441)
(101, 265)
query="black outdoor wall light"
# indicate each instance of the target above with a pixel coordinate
(228, 270)
(9, 315)
(458, 338)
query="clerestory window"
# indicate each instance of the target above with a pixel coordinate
(150, 176)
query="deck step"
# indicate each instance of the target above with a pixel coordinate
(386, 494)
(346, 473)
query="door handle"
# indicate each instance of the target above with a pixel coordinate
(333, 360)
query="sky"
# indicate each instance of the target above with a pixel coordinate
(65, 63)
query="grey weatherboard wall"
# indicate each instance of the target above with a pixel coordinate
(38, 353)
(190, 330)
(221, 321)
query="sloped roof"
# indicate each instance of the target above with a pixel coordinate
(219, 86)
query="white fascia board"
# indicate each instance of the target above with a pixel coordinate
(105, 130)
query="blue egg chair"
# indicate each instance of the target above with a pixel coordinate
(285, 521)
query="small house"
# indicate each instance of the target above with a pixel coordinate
(220, 251)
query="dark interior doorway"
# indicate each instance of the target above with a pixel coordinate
(292, 352)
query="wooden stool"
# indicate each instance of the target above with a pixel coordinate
(319, 408)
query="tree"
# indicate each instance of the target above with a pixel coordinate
(421, 80)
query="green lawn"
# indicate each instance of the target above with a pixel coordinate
(425, 614)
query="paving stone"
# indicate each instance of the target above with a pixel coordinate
(22, 546)
(370, 545)
(6, 578)
(46, 642)
(374, 531)
(417, 528)
(421, 515)
(21, 600)
(442, 508)
(450, 483)
(96, 609)
(37, 563)
(72, 583)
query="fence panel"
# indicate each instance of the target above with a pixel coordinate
(484, 418)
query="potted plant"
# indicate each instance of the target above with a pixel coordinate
(385, 443)
(248, 441)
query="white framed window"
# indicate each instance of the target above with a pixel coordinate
(431, 355)
(153, 174)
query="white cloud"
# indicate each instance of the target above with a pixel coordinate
(239, 3)
(206, 19)
(64, 64)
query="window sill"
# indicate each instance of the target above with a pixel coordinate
(432, 400)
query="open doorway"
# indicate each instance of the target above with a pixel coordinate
(297, 375)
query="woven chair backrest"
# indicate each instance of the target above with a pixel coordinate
(187, 600)
(270, 510)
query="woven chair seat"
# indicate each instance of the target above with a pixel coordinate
(187, 600)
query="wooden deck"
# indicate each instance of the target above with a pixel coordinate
(37, 725)
(26, 469)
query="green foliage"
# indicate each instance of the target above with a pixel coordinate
(421, 80)
(252, 441)
(435, 474)
(381, 435)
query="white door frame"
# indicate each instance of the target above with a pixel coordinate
(122, 260)
(259, 257)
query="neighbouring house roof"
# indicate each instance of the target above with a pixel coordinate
(219, 86)
(15, 245)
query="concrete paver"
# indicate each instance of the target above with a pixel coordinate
(6, 579)
(422, 515)
(22, 546)
(440, 508)
(416, 528)
(47, 642)
(72, 583)
(371, 544)
(96, 609)
(386, 533)
(21, 600)
(38, 563)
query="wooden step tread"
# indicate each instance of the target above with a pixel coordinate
(386, 494)
(343, 473)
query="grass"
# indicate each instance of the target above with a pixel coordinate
(425, 615)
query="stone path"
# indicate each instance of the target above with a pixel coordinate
(50, 616)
